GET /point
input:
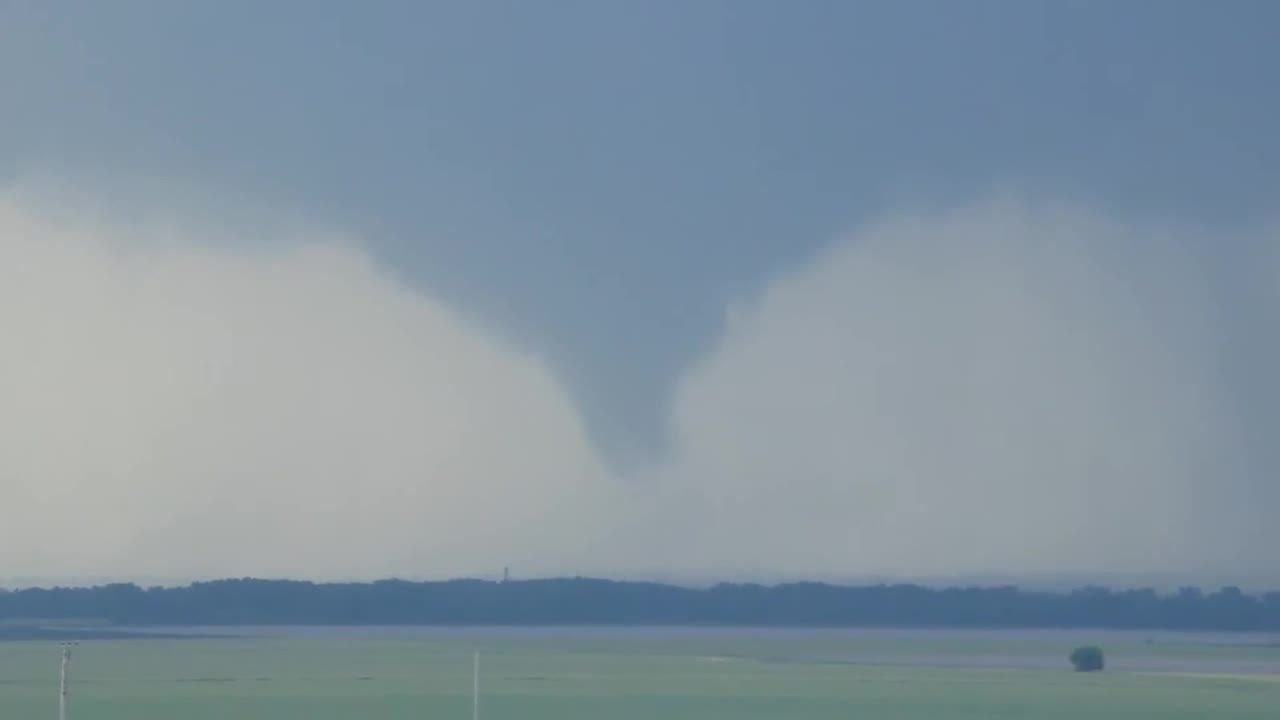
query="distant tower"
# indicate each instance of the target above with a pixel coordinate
(506, 574)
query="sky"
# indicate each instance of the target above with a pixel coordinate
(677, 290)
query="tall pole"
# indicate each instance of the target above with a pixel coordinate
(62, 695)
(475, 689)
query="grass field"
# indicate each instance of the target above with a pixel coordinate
(640, 675)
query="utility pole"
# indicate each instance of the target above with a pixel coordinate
(475, 688)
(64, 686)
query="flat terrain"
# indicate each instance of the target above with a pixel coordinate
(330, 673)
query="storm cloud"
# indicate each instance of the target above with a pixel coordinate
(1011, 387)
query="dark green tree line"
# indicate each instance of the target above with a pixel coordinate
(589, 601)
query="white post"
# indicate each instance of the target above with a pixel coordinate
(475, 688)
(62, 696)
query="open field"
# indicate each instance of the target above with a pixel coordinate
(371, 673)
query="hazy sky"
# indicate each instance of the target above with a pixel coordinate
(663, 289)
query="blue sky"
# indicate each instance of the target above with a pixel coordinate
(600, 183)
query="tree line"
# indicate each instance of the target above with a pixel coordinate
(584, 601)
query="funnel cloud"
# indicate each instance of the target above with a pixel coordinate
(1014, 387)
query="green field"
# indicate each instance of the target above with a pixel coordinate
(636, 676)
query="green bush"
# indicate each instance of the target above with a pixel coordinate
(1087, 659)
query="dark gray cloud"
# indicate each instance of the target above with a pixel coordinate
(597, 179)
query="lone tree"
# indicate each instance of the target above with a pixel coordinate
(1087, 658)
